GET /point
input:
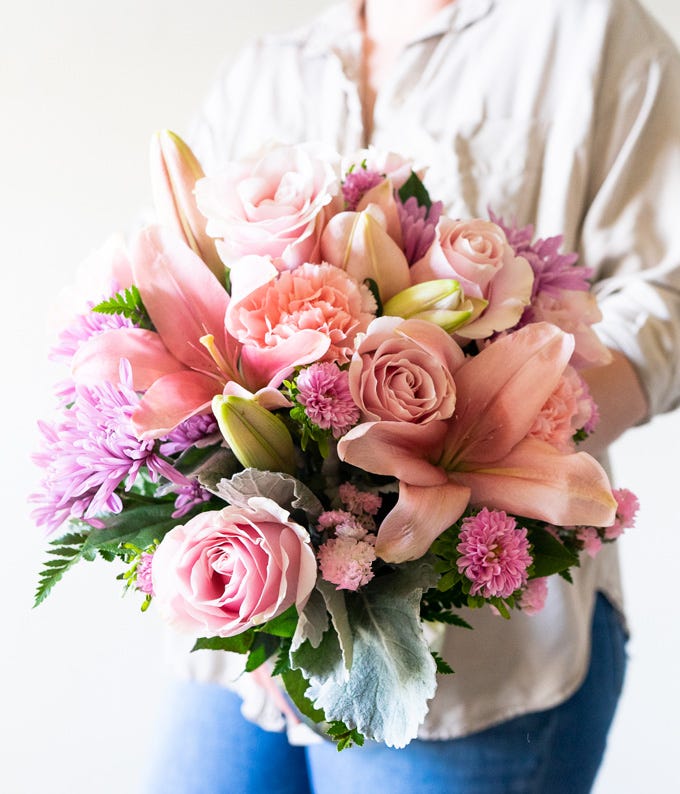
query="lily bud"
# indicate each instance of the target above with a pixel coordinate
(174, 173)
(257, 437)
(440, 301)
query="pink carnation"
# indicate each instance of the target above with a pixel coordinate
(359, 501)
(569, 408)
(347, 562)
(324, 392)
(533, 598)
(494, 553)
(626, 510)
(311, 297)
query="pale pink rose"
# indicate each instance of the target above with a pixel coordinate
(403, 371)
(575, 312)
(478, 255)
(320, 298)
(568, 409)
(273, 205)
(225, 571)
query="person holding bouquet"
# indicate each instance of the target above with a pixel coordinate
(562, 114)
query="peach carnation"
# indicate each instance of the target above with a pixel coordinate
(312, 297)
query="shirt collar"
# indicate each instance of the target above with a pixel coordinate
(336, 29)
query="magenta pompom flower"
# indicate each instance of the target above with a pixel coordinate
(357, 183)
(143, 574)
(494, 553)
(418, 227)
(324, 392)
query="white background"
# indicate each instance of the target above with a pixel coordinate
(82, 86)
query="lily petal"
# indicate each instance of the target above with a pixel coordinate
(184, 299)
(396, 449)
(172, 399)
(537, 481)
(420, 516)
(270, 366)
(500, 392)
(98, 359)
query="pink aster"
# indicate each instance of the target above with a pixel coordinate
(626, 511)
(592, 542)
(143, 574)
(324, 392)
(533, 598)
(418, 227)
(494, 553)
(357, 183)
(346, 562)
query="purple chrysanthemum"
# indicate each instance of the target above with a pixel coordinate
(90, 451)
(324, 392)
(418, 227)
(553, 271)
(357, 183)
(494, 553)
(196, 431)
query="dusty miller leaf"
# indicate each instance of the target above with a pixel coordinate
(286, 491)
(384, 695)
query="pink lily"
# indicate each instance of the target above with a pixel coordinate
(190, 357)
(481, 455)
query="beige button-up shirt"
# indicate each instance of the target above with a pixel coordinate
(561, 113)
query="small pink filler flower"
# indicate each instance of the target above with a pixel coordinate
(626, 510)
(324, 392)
(494, 553)
(346, 562)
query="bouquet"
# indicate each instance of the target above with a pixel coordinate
(310, 415)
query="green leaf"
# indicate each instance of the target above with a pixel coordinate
(139, 524)
(127, 303)
(385, 692)
(282, 663)
(550, 556)
(282, 625)
(296, 686)
(443, 667)
(451, 619)
(263, 646)
(413, 187)
(240, 643)
(343, 736)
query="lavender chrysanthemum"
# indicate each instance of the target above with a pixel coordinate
(324, 393)
(196, 431)
(90, 451)
(494, 553)
(357, 183)
(418, 227)
(553, 271)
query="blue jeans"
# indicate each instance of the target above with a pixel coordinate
(209, 748)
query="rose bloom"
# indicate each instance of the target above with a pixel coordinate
(311, 297)
(225, 571)
(275, 205)
(478, 255)
(403, 371)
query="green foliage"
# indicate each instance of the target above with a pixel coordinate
(343, 736)
(282, 625)
(129, 304)
(550, 555)
(413, 187)
(443, 667)
(67, 551)
(296, 686)
(241, 643)
(263, 646)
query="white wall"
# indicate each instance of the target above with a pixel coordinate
(82, 86)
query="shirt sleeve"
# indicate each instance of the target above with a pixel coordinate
(631, 231)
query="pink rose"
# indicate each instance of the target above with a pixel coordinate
(403, 371)
(478, 255)
(275, 205)
(225, 571)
